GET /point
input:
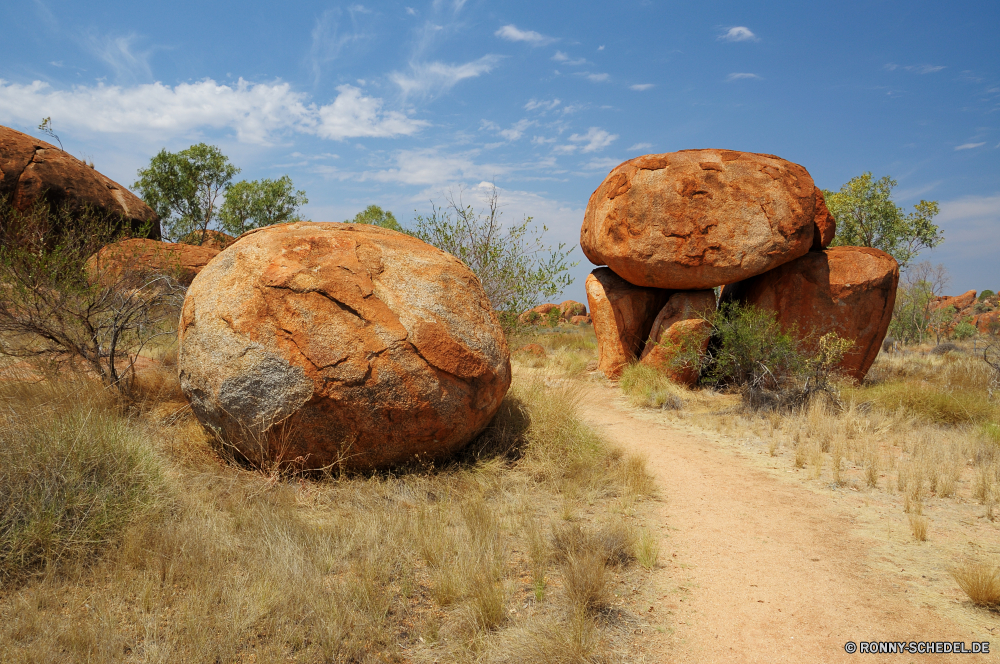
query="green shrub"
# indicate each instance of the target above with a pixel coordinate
(964, 330)
(749, 348)
(72, 476)
(986, 294)
(648, 387)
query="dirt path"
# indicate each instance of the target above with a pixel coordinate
(758, 568)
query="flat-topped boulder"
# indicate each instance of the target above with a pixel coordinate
(341, 344)
(33, 171)
(847, 290)
(698, 219)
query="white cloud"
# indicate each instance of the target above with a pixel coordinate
(119, 54)
(254, 111)
(969, 146)
(640, 87)
(512, 33)
(601, 164)
(534, 104)
(740, 76)
(925, 69)
(431, 167)
(516, 130)
(595, 139)
(566, 60)
(739, 33)
(596, 78)
(328, 40)
(640, 146)
(411, 11)
(969, 226)
(435, 77)
(541, 140)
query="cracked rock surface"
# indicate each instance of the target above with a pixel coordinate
(31, 169)
(847, 290)
(341, 344)
(697, 219)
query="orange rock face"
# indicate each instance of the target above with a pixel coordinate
(825, 225)
(537, 314)
(181, 261)
(623, 315)
(847, 290)
(580, 320)
(32, 170)
(569, 309)
(679, 350)
(700, 218)
(343, 344)
(960, 302)
(988, 323)
(682, 305)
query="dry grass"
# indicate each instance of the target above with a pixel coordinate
(647, 387)
(980, 581)
(461, 563)
(918, 526)
(568, 349)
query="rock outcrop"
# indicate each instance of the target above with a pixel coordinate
(181, 261)
(569, 309)
(847, 290)
(961, 303)
(623, 315)
(682, 305)
(679, 350)
(825, 225)
(212, 239)
(580, 320)
(346, 344)
(32, 170)
(702, 218)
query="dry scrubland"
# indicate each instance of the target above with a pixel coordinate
(922, 429)
(124, 537)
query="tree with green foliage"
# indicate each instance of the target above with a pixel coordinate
(513, 264)
(376, 216)
(912, 315)
(867, 217)
(184, 188)
(258, 203)
(964, 330)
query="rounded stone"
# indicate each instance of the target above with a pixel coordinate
(698, 219)
(348, 345)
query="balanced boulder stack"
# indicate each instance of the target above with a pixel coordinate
(341, 344)
(698, 219)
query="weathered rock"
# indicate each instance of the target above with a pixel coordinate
(345, 344)
(700, 218)
(569, 308)
(847, 290)
(682, 305)
(537, 314)
(212, 239)
(960, 302)
(623, 315)
(533, 349)
(181, 261)
(679, 350)
(988, 323)
(33, 170)
(580, 320)
(825, 224)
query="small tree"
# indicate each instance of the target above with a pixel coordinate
(184, 188)
(376, 216)
(47, 128)
(59, 305)
(912, 316)
(867, 217)
(514, 266)
(259, 203)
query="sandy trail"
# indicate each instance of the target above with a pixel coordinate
(756, 567)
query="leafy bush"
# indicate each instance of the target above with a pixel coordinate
(964, 330)
(513, 265)
(986, 294)
(773, 367)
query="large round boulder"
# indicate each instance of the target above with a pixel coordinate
(181, 261)
(847, 290)
(32, 170)
(341, 344)
(701, 218)
(622, 315)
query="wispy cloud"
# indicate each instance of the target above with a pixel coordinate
(431, 166)
(436, 77)
(594, 77)
(512, 133)
(329, 39)
(512, 33)
(566, 60)
(640, 146)
(595, 139)
(969, 146)
(738, 34)
(741, 76)
(129, 64)
(534, 104)
(601, 164)
(256, 112)
(640, 87)
(916, 69)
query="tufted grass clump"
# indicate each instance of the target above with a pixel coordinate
(74, 474)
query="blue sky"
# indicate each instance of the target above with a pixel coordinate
(400, 103)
